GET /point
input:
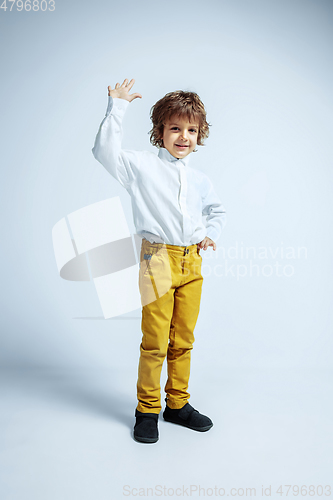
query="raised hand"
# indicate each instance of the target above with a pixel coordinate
(122, 91)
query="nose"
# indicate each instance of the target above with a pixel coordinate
(184, 135)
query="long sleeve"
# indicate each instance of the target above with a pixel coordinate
(107, 150)
(216, 213)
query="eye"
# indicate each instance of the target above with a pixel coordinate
(193, 130)
(175, 128)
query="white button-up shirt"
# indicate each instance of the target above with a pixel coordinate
(168, 197)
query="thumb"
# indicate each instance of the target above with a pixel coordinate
(135, 96)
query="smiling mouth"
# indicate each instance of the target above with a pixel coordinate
(181, 145)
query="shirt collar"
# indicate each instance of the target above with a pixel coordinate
(164, 154)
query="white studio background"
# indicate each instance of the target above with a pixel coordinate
(261, 365)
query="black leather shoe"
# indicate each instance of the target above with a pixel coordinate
(189, 417)
(145, 429)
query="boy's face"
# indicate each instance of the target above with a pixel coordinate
(180, 136)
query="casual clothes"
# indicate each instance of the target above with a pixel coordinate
(168, 201)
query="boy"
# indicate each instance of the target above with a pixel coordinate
(168, 201)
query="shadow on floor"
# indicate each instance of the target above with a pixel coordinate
(89, 389)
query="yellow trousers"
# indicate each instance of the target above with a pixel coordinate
(170, 284)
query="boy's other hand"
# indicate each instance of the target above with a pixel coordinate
(122, 91)
(205, 243)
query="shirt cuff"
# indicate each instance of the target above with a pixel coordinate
(213, 234)
(116, 104)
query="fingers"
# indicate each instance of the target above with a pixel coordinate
(210, 243)
(126, 84)
(110, 88)
(131, 83)
(207, 242)
(201, 245)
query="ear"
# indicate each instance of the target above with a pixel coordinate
(160, 134)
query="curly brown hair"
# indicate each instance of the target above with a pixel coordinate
(181, 104)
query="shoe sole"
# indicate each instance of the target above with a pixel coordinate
(145, 440)
(200, 429)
